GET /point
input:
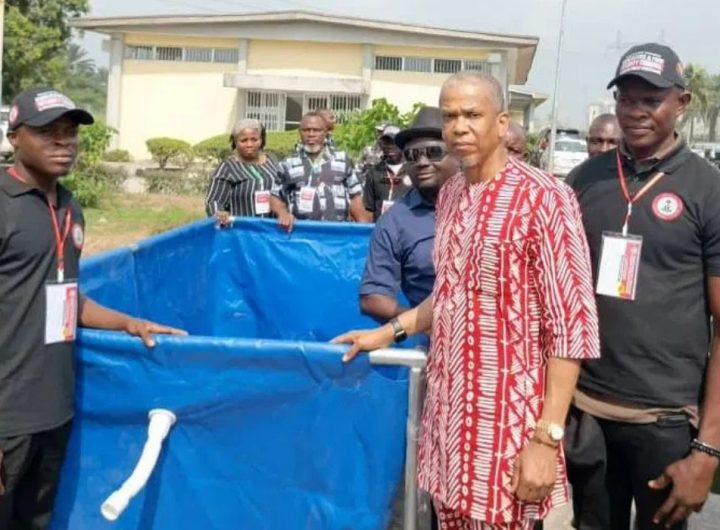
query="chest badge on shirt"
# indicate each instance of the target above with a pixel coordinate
(78, 236)
(667, 206)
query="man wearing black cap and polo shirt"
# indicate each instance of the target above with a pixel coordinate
(386, 181)
(41, 239)
(650, 407)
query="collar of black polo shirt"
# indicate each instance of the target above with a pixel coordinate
(667, 162)
(15, 188)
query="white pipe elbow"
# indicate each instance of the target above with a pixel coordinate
(161, 420)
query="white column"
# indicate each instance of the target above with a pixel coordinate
(241, 69)
(114, 90)
(367, 68)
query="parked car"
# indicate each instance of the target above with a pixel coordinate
(6, 150)
(569, 152)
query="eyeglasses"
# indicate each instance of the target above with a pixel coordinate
(434, 153)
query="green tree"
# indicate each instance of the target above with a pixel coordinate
(698, 84)
(712, 112)
(37, 34)
(357, 128)
(83, 82)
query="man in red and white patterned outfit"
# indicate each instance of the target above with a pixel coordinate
(512, 316)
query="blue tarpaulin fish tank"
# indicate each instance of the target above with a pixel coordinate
(273, 431)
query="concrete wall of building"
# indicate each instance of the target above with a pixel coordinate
(188, 100)
(311, 59)
(178, 99)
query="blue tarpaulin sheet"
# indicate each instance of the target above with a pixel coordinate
(273, 431)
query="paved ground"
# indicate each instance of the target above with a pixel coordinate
(709, 519)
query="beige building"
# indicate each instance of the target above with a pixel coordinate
(191, 77)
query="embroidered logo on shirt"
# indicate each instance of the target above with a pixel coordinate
(78, 236)
(667, 206)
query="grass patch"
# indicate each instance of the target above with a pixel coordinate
(124, 219)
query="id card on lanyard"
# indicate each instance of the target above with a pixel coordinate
(306, 202)
(261, 197)
(61, 297)
(387, 203)
(620, 253)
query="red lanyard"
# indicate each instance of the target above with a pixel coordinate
(636, 197)
(391, 177)
(59, 238)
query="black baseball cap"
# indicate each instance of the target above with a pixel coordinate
(37, 107)
(390, 132)
(427, 124)
(655, 63)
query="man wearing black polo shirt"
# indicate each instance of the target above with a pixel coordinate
(650, 407)
(41, 239)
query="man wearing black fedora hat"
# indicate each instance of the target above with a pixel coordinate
(41, 238)
(400, 255)
(651, 404)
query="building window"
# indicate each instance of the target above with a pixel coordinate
(226, 55)
(141, 53)
(346, 103)
(477, 66)
(447, 66)
(418, 64)
(195, 54)
(386, 62)
(198, 55)
(268, 108)
(431, 65)
(168, 53)
(280, 111)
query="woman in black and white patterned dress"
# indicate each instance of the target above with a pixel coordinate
(241, 184)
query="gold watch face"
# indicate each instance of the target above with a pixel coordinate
(556, 432)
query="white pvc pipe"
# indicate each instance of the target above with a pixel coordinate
(160, 422)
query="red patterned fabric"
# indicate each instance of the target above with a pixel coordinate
(449, 519)
(513, 288)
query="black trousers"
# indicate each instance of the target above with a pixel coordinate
(30, 471)
(610, 463)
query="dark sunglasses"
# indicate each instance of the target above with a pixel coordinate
(434, 153)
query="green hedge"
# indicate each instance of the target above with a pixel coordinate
(213, 150)
(117, 155)
(169, 150)
(281, 144)
(217, 148)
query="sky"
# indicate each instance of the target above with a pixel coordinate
(596, 32)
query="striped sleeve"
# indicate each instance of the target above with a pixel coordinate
(280, 179)
(219, 193)
(563, 277)
(352, 182)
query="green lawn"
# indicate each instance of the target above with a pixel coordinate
(124, 219)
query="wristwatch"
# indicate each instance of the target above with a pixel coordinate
(553, 431)
(398, 331)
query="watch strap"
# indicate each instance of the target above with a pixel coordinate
(398, 330)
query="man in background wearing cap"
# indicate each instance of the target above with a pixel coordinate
(41, 239)
(651, 209)
(386, 181)
(371, 154)
(400, 255)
